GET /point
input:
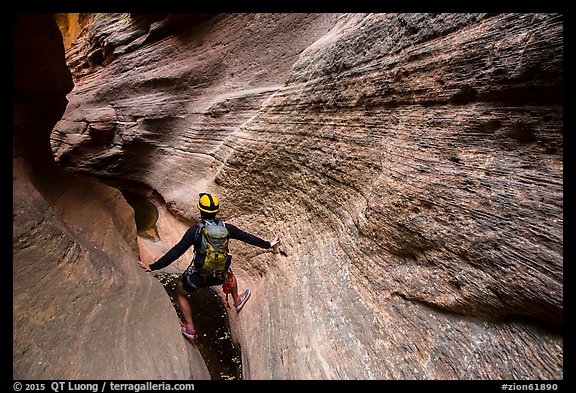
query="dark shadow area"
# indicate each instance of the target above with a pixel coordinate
(211, 322)
(145, 214)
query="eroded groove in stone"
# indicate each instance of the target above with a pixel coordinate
(411, 154)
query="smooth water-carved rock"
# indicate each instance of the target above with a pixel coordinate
(428, 203)
(176, 98)
(82, 309)
(412, 163)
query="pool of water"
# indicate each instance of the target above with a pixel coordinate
(214, 341)
(145, 214)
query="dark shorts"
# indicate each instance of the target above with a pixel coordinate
(192, 281)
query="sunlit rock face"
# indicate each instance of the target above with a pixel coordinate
(167, 94)
(81, 307)
(411, 163)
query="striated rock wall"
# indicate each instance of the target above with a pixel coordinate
(81, 308)
(171, 100)
(412, 164)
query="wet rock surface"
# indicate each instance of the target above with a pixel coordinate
(214, 339)
(412, 164)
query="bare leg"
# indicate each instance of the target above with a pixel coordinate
(234, 287)
(182, 301)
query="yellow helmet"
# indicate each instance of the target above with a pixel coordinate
(208, 203)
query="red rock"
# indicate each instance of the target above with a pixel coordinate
(412, 163)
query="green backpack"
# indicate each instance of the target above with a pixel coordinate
(215, 249)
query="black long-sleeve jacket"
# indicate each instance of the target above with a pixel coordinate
(193, 237)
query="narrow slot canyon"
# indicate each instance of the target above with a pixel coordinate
(411, 163)
(222, 356)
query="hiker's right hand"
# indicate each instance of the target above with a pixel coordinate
(144, 266)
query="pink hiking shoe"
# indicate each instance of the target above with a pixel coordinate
(242, 299)
(188, 332)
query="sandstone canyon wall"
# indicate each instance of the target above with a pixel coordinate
(412, 164)
(81, 308)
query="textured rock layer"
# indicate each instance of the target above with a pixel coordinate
(412, 164)
(81, 307)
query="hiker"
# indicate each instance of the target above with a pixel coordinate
(211, 263)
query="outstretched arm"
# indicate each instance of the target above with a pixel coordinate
(237, 233)
(174, 253)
